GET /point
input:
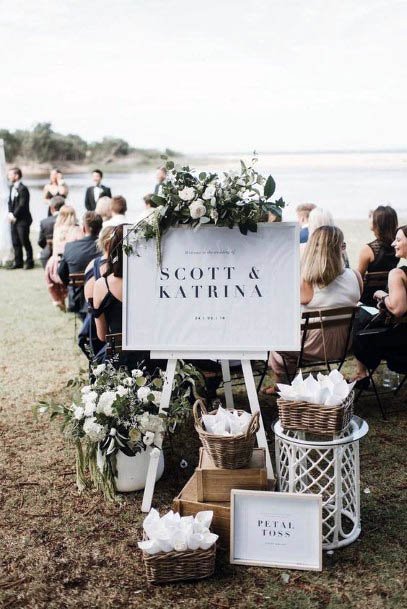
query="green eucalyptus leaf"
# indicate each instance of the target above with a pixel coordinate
(269, 187)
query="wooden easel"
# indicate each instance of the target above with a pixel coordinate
(224, 357)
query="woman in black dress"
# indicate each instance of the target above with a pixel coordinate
(378, 255)
(371, 349)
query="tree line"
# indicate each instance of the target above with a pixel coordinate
(43, 145)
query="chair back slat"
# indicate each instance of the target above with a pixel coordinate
(76, 280)
(376, 280)
(113, 344)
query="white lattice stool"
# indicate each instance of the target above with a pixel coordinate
(329, 468)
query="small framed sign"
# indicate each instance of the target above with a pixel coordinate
(281, 530)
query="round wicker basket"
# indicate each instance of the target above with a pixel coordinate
(226, 452)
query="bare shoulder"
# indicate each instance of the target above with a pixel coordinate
(90, 266)
(99, 291)
(398, 274)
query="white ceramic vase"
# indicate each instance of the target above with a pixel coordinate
(132, 471)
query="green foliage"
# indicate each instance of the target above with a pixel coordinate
(41, 144)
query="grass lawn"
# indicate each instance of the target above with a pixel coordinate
(59, 549)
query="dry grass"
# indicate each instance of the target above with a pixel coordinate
(61, 550)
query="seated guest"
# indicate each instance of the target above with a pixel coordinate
(322, 217)
(325, 283)
(87, 338)
(46, 233)
(378, 255)
(66, 229)
(104, 208)
(303, 212)
(149, 207)
(371, 349)
(118, 208)
(77, 256)
(108, 290)
(97, 267)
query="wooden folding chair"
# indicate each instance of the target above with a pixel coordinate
(323, 319)
(76, 280)
(113, 345)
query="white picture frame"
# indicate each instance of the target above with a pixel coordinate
(281, 530)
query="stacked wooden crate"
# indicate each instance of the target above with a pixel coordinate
(209, 489)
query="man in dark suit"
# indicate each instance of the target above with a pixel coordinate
(76, 257)
(20, 219)
(93, 193)
(47, 229)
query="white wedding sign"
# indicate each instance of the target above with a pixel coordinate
(217, 290)
(276, 529)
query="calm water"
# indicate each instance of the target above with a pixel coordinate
(349, 185)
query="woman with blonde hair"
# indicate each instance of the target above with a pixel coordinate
(325, 283)
(66, 229)
(104, 208)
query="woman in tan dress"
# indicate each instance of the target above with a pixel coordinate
(325, 283)
(66, 229)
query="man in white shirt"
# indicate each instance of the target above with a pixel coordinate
(118, 209)
(93, 193)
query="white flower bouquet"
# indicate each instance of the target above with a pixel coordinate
(119, 411)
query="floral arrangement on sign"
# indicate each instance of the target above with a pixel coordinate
(119, 411)
(240, 199)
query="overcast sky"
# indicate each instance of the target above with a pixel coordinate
(218, 75)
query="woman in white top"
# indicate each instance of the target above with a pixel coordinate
(325, 283)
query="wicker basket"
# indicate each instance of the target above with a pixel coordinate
(227, 452)
(315, 418)
(175, 566)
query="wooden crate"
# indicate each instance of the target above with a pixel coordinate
(187, 504)
(215, 484)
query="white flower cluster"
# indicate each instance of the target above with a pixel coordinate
(227, 422)
(152, 427)
(173, 532)
(327, 390)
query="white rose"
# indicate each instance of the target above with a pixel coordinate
(99, 369)
(197, 209)
(86, 389)
(128, 381)
(186, 194)
(143, 393)
(157, 397)
(148, 438)
(121, 391)
(78, 413)
(89, 409)
(94, 430)
(105, 403)
(209, 192)
(89, 398)
(136, 373)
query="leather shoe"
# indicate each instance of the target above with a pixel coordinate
(15, 266)
(29, 265)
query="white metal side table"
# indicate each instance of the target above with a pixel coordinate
(326, 467)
